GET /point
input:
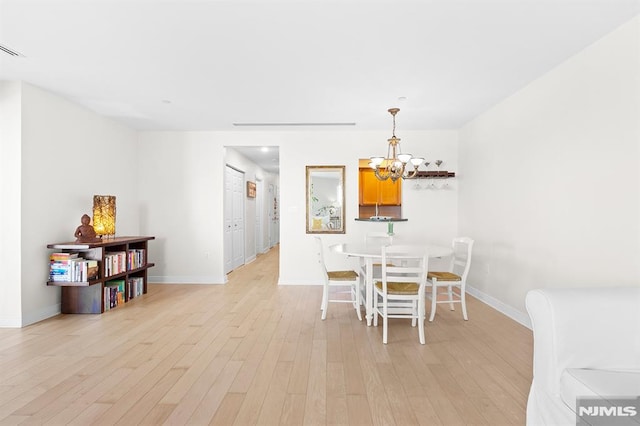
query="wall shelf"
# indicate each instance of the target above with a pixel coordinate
(443, 174)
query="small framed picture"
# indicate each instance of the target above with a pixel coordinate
(251, 189)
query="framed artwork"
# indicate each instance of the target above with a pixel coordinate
(251, 189)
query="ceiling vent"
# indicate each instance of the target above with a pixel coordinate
(10, 52)
(291, 124)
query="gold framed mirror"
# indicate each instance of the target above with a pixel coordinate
(325, 200)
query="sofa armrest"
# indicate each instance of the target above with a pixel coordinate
(583, 328)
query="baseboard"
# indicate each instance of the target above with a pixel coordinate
(48, 312)
(161, 279)
(516, 315)
(10, 322)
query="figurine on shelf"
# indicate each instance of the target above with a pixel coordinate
(85, 232)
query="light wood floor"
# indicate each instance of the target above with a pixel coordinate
(251, 352)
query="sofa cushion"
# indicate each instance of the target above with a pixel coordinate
(583, 382)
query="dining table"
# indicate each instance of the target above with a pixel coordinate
(368, 254)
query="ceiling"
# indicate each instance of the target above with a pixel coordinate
(295, 64)
(267, 157)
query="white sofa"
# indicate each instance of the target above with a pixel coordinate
(586, 344)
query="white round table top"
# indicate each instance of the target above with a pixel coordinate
(363, 250)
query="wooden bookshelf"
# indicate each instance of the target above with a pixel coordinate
(89, 297)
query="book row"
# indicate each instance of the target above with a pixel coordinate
(73, 269)
(113, 294)
(136, 258)
(120, 261)
(114, 291)
(115, 263)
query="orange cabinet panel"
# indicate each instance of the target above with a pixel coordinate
(382, 192)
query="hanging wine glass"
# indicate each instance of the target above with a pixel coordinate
(426, 166)
(438, 163)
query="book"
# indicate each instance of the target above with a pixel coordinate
(92, 270)
(63, 256)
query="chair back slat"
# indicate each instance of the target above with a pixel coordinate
(406, 264)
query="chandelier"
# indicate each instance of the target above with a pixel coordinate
(394, 165)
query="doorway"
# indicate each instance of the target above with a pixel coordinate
(233, 219)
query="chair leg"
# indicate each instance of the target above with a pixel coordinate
(434, 298)
(375, 309)
(450, 294)
(385, 325)
(325, 301)
(414, 317)
(421, 321)
(356, 302)
(463, 302)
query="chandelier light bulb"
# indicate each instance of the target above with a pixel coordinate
(377, 160)
(404, 158)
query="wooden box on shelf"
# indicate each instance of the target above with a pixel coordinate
(122, 264)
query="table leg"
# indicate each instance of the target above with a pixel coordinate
(368, 303)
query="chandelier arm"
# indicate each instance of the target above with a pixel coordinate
(412, 174)
(381, 176)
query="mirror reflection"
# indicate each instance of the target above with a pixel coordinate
(325, 200)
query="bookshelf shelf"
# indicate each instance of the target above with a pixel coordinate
(88, 297)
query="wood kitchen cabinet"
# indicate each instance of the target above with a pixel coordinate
(383, 192)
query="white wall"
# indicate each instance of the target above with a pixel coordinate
(551, 184)
(182, 196)
(10, 170)
(68, 154)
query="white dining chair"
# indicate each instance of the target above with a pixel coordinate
(375, 239)
(337, 283)
(400, 293)
(454, 277)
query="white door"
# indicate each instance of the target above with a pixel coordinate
(238, 219)
(233, 219)
(228, 219)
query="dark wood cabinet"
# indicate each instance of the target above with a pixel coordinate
(89, 297)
